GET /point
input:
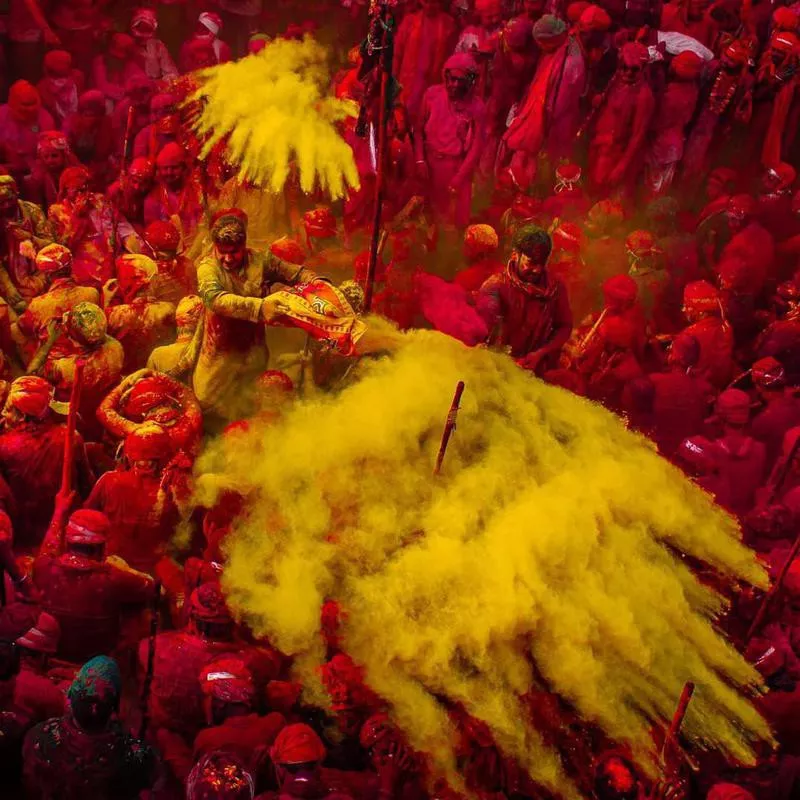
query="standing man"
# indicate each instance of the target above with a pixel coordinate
(453, 124)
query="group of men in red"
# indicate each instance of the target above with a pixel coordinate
(605, 192)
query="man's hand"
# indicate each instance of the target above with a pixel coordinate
(667, 790)
(272, 308)
(423, 173)
(532, 360)
(397, 762)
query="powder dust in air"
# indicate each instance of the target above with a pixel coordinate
(274, 113)
(546, 554)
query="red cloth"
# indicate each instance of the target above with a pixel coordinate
(297, 744)
(716, 350)
(680, 407)
(249, 737)
(445, 306)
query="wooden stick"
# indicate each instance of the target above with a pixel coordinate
(144, 700)
(69, 441)
(758, 620)
(449, 427)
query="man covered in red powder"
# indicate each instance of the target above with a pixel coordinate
(128, 194)
(22, 119)
(527, 312)
(53, 156)
(177, 275)
(620, 128)
(60, 86)
(453, 134)
(424, 40)
(167, 358)
(481, 246)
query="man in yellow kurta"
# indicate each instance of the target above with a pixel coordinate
(235, 284)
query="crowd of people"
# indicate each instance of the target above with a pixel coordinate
(606, 192)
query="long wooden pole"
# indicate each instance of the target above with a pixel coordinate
(69, 441)
(449, 427)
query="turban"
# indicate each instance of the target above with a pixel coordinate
(634, 54)
(148, 442)
(42, 637)
(687, 65)
(229, 226)
(620, 289)
(58, 63)
(574, 10)
(208, 605)
(619, 332)
(701, 296)
(141, 168)
(120, 46)
(567, 175)
(92, 102)
(297, 744)
(784, 42)
(738, 51)
(641, 244)
(147, 394)
(163, 103)
(211, 22)
(73, 178)
(51, 140)
(228, 679)
(87, 526)
(87, 323)
(98, 679)
(145, 18)
(134, 272)
(768, 372)
(461, 63)
(733, 405)
(480, 240)
(605, 215)
(188, 311)
(728, 791)
(568, 236)
(784, 173)
(162, 235)
(519, 34)
(784, 19)
(741, 206)
(53, 258)
(23, 99)
(320, 223)
(594, 20)
(171, 155)
(257, 42)
(32, 396)
(8, 187)
(549, 30)
(288, 250)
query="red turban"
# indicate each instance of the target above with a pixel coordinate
(728, 791)
(568, 237)
(31, 395)
(141, 168)
(701, 296)
(785, 174)
(147, 394)
(738, 51)
(120, 46)
(594, 19)
(784, 42)
(58, 63)
(148, 442)
(642, 244)
(228, 679)
(519, 34)
(288, 250)
(162, 235)
(768, 372)
(24, 101)
(92, 102)
(784, 19)
(741, 206)
(211, 22)
(51, 140)
(320, 223)
(733, 405)
(87, 526)
(634, 54)
(480, 240)
(461, 64)
(297, 744)
(171, 155)
(53, 258)
(73, 178)
(208, 605)
(567, 175)
(620, 289)
(687, 65)
(188, 311)
(575, 10)
(134, 272)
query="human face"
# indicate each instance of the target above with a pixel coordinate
(142, 33)
(139, 183)
(171, 175)
(527, 269)
(231, 256)
(53, 159)
(696, 9)
(456, 85)
(630, 73)
(78, 195)
(8, 205)
(11, 416)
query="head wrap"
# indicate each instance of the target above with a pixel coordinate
(549, 31)
(87, 323)
(188, 311)
(228, 679)
(701, 296)
(461, 64)
(207, 604)
(768, 373)
(605, 215)
(568, 237)
(220, 775)
(288, 250)
(211, 22)
(163, 103)
(87, 526)
(120, 45)
(320, 223)
(634, 54)
(51, 140)
(53, 258)
(733, 405)
(162, 235)
(642, 244)
(229, 226)
(24, 100)
(145, 18)
(784, 19)
(58, 63)
(574, 11)
(142, 168)
(92, 102)
(594, 20)
(619, 290)
(741, 206)
(784, 42)
(8, 187)
(147, 394)
(73, 178)
(687, 65)
(519, 34)
(728, 791)
(32, 396)
(785, 174)
(738, 52)
(134, 272)
(43, 636)
(274, 381)
(257, 42)
(480, 240)
(171, 155)
(98, 679)
(567, 175)
(297, 744)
